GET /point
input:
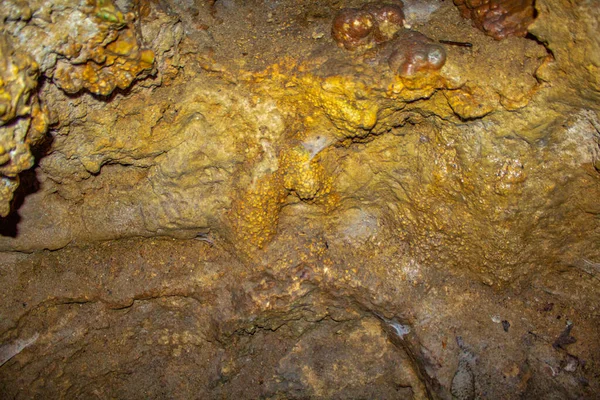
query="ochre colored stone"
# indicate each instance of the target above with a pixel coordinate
(22, 120)
(269, 215)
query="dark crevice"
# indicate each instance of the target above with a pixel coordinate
(29, 184)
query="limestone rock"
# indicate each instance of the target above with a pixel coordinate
(22, 119)
(80, 44)
(293, 219)
(574, 47)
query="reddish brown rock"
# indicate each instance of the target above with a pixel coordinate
(389, 19)
(374, 23)
(352, 28)
(415, 52)
(499, 18)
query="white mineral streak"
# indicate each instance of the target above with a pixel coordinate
(9, 350)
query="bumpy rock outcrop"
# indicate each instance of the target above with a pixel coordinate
(23, 120)
(79, 45)
(86, 44)
(297, 218)
(499, 18)
(574, 47)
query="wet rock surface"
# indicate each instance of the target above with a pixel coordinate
(258, 212)
(499, 18)
(23, 120)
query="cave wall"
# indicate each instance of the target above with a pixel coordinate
(205, 187)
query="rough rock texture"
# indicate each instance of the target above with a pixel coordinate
(371, 24)
(270, 215)
(499, 18)
(85, 44)
(23, 120)
(79, 45)
(575, 49)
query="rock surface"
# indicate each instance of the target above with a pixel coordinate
(246, 209)
(22, 119)
(499, 18)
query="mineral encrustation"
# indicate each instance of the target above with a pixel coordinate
(299, 199)
(499, 18)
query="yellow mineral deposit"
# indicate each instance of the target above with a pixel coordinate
(22, 120)
(299, 199)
